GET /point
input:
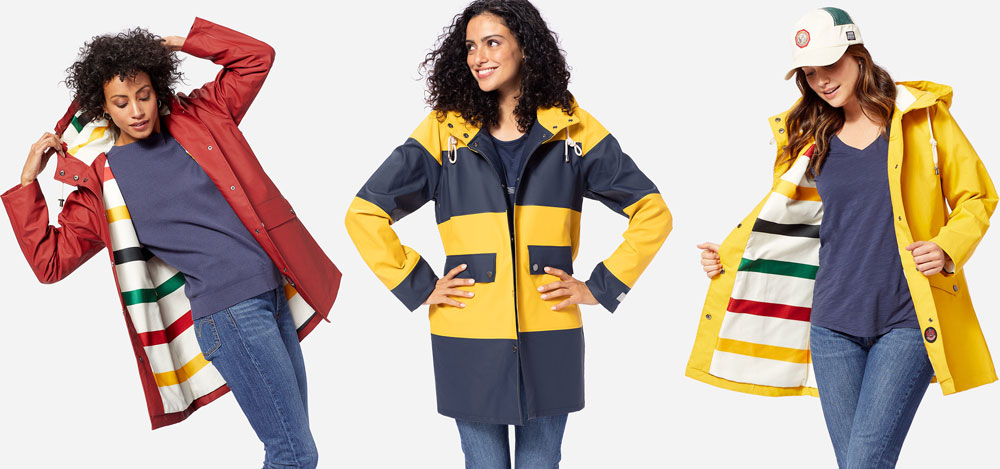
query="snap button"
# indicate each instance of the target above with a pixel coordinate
(232, 188)
(781, 131)
(210, 148)
(722, 271)
(76, 178)
(954, 287)
(534, 267)
(257, 230)
(708, 316)
(739, 225)
(777, 119)
(450, 125)
(62, 173)
(900, 218)
(465, 135)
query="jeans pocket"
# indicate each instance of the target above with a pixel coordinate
(208, 336)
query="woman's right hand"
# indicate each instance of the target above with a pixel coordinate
(39, 155)
(710, 259)
(446, 288)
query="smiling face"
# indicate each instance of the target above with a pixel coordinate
(835, 83)
(131, 103)
(494, 55)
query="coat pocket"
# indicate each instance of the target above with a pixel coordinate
(540, 257)
(275, 212)
(946, 284)
(479, 267)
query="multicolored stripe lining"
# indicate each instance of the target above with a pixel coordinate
(764, 337)
(153, 292)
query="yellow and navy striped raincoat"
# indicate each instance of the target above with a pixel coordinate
(507, 333)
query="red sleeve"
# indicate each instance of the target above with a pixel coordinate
(54, 252)
(245, 63)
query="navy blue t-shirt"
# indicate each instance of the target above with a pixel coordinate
(182, 218)
(511, 153)
(860, 288)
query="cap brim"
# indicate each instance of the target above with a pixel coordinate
(817, 58)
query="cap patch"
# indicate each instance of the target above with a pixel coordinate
(802, 38)
(840, 17)
(850, 35)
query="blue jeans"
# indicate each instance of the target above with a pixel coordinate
(869, 388)
(537, 443)
(255, 347)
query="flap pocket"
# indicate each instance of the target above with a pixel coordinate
(274, 212)
(479, 267)
(540, 257)
(948, 284)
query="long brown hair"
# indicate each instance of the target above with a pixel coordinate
(812, 120)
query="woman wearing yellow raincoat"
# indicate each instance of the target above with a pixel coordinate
(846, 281)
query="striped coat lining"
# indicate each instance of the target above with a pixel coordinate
(152, 292)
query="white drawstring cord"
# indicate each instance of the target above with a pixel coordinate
(934, 150)
(452, 149)
(570, 143)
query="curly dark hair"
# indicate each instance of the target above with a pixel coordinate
(120, 55)
(544, 74)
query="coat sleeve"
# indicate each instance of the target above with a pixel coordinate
(405, 182)
(967, 188)
(245, 63)
(612, 178)
(54, 252)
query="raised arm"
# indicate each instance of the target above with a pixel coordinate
(245, 63)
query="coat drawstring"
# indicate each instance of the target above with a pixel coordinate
(452, 149)
(570, 143)
(934, 150)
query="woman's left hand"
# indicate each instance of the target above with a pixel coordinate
(173, 43)
(930, 258)
(567, 286)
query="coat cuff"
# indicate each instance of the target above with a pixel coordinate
(417, 286)
(606, 288)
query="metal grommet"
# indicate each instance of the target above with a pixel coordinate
(781, 131)
(708, 316)
(232, 188)
(76, 178)
(210, 148)
(777, 119)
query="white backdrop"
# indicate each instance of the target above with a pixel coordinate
(685, 89)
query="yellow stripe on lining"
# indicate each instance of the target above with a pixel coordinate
(117, 213)
(170, 378)
(792, 191)
(772, 352)
(96, 134)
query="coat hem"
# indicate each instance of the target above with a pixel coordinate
(748, 388)
(163, 420)
(501, 421)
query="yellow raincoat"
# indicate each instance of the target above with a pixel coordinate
(754, 330)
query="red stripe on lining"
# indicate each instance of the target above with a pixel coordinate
(107, 176)
(771, 310)
(170, 333)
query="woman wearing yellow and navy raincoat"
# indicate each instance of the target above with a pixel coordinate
(507, 156)
(846, 281)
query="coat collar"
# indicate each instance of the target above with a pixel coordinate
(552, 119)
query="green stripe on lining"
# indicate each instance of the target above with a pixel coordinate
(840, 17)
(150, 295)
(76, 124)
(788, 269)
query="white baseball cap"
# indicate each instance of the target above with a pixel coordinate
(821, 37)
